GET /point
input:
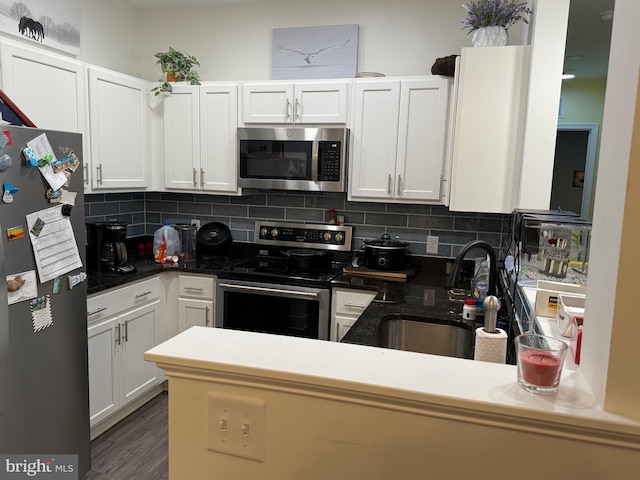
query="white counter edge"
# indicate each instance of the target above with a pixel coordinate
(450, 382)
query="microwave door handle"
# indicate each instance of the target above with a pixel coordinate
(245, 288)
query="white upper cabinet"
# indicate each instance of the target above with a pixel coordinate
(399, 135)
(119, 130)
(50, 90)
(489, 128)
(322, 102)
(182, 138)
(218, 138)
(200, 136)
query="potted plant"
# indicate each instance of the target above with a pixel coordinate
(489, 20)
(177, 66)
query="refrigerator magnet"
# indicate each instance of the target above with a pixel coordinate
(9, 192)
(5, 138)
(5, 162)
(41, 313)
(14, 233)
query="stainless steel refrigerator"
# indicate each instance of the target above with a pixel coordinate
(44, 393)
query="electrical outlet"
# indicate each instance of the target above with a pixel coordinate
(196, 222)
(432, 244)
(236, 425)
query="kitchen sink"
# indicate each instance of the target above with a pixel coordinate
(425, 335)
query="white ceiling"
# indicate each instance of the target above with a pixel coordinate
(587, 36)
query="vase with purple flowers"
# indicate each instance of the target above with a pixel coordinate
(488, 21)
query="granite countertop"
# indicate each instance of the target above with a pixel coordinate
(146, 267)
(425, 295)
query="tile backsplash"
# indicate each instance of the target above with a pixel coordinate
(146, 212)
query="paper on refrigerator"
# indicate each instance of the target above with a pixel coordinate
(41, 147)
(54, 245)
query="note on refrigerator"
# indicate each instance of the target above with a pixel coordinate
(41, 147)
(22, 286)
(54, 246)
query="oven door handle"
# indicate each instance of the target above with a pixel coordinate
(291, 293)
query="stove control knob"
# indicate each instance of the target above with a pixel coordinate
(327, 236)
(264, 231)
(274, 232)
(339, 237)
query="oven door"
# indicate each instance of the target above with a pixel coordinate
(273, 308)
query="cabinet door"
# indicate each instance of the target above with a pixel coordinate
(421, 138)
(104, 389)
(182, 138)
(50, 90)
(139, 329)
(320, 103)
(267, 102)
(218, 138)
(342, 326)
(119, 135)
(490, 118)
(374, 139)
(194, 313)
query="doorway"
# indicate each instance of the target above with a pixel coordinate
(573, 168)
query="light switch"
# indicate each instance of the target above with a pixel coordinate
(236, 425)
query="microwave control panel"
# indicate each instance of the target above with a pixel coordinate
(329, 161)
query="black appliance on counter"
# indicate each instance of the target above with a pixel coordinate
(213, 242)
(106, 249)
(285, 287)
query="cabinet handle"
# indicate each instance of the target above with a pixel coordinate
(206, 316)
(95, 312)
(297, 109)
(195, 181)
(288, 113)
(355, 305)
(202, 177)
(125, 334)
(99, 172)
(144, 294)
(389, 185)
(118, 336)
(85, 172)
(399, 182)
(197, 289)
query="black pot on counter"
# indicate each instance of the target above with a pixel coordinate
(306, 259)
(385, 254)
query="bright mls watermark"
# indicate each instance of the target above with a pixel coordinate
(50, 467)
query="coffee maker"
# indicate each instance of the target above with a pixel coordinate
(106, 250)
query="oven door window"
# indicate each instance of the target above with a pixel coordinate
(276, 159)
(271, 314)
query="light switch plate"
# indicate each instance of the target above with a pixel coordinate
(236, 425)
(432, 244)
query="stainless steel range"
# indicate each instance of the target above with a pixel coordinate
(284, 288)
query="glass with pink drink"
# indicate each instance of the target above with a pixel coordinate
(540, 361)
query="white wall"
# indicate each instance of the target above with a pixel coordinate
(233, 42)
(110, 35)
(611, 322)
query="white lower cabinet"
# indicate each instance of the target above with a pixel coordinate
(346, 307)
(195, 301)
(123, 324)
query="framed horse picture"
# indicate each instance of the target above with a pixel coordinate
(54, 24)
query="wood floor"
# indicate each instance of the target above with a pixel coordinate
(136, 448)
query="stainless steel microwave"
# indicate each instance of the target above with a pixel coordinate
(293, 158)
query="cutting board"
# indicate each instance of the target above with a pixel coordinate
(394, 275)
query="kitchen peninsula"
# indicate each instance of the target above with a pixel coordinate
(352, 411)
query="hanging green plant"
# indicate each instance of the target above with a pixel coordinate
(176, 64)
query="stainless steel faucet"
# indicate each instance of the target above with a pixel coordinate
(493, 267)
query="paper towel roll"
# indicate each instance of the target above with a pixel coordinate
(491, 347)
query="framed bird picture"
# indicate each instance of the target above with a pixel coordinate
(314, 52)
